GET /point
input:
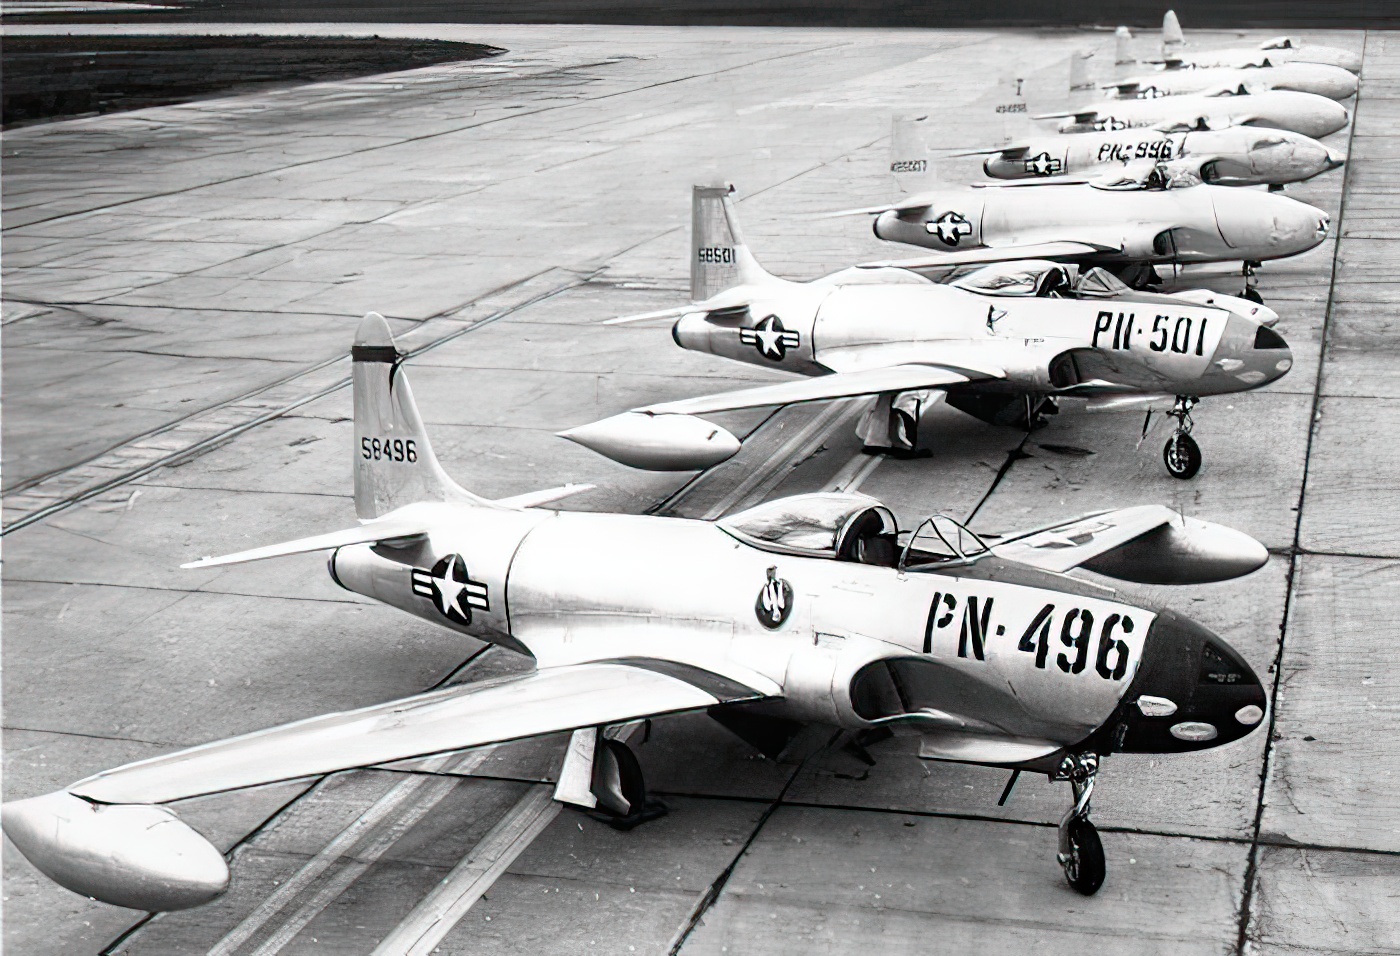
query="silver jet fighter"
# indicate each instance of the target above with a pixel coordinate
(1332, 82)
(979, 344)
(1127, 223)
(806, 610)
(1235, 156)
(1284, 49)
(1305, 113)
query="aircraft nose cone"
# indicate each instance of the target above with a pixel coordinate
(1193, 692)
(1250, 354)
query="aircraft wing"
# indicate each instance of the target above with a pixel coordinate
(1060, 249)
(1148, 544)
(1065, 546)
(873, 381)
(453, 718)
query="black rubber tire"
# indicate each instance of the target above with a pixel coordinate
(1086, 867)
(629, 771)
(1182, 456)
(1253, 296)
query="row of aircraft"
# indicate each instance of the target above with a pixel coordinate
(815, 612)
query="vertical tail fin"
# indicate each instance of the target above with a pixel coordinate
(394, 463)
(1123, 48)
(1172, 37)
(719, 257)
(910, 159)
(1079, 80)
(1010, 119)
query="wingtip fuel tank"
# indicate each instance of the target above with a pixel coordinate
(137, 856)
(1184, 551)
(657, 442)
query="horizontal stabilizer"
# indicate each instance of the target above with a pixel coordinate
(405, 523)
(896, 378)
(1006, 152)
(672, 313)
(533, 499)
(906, 205)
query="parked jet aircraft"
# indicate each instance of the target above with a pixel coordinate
(1305, 113)
(980, 344)
(1127, 224)
(1322, 79)
(1236, 156)
(1277, 50)
(806, 610)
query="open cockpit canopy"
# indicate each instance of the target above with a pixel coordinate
(1043, 279)
(842, 527)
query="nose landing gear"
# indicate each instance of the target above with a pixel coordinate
(1081, 851)
(1181, 454)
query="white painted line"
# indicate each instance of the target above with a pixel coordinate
(379, 811)
(855, 472)
(442, 909)
(766, 477)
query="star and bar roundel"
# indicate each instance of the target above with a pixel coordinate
(770, 338)
(451, 589)
(949, 228)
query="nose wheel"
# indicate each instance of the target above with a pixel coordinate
(1181, 454)
(1081, 850)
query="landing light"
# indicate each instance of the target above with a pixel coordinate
(1195, 731)
(1156, 707)
(1249, 715)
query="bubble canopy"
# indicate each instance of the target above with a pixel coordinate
(832, 525)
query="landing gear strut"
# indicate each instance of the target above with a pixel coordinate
(1251, 281)
(623, 801)
(601, 777)
(1181, 454)
(1081, 851)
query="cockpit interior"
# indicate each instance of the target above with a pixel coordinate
(851, 527)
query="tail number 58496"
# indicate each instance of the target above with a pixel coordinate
(388, 449)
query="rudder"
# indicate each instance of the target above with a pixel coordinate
(394, 463)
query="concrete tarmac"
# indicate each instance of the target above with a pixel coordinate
(181, 285)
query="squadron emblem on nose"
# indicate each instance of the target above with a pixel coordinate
(774, 602)
(949, 228)
(770, 338)
(451, 589)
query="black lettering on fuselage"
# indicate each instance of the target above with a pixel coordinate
(974, 628)
(1120, 324)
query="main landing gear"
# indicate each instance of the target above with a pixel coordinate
(601, 777)
(1181, 454)
(1251, 282)
(1081, 851)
